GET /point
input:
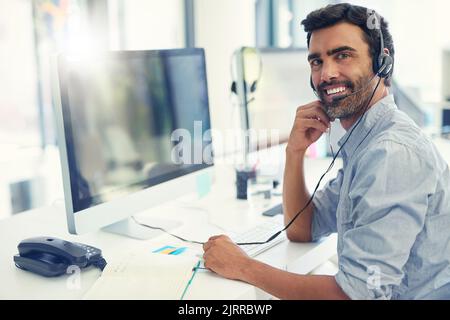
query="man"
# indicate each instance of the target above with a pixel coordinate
(389, 204)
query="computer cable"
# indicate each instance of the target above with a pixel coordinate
(164, 230)
(101, 264)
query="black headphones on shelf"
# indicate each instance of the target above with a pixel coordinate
(239, 53)
(383, 64)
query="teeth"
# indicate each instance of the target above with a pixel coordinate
(335, 90)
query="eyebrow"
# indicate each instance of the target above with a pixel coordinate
(331, 52)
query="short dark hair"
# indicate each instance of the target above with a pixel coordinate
(357, 15)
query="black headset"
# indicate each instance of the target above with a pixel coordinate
(382, 66)
(253, 86)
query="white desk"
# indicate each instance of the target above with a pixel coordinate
(202, 218)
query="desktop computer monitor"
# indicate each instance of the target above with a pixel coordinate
(134, 132)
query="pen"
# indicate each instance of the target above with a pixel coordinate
(192, 277)
(199, 268)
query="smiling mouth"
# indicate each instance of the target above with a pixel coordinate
(336, 91)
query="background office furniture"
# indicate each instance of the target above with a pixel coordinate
(446, 123)
(446, 74)
(26, 194)
(409, 102)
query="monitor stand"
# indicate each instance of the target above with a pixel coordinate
(130, 228)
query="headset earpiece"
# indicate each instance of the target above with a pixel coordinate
(233, 87)
(385, 63)
(253, 87)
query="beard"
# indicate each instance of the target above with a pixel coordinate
(350, 106)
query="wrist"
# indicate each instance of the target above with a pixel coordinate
(247, 269)
(295, 152)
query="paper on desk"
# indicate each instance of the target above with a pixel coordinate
(144, 275)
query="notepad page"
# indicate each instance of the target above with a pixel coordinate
(138, 275)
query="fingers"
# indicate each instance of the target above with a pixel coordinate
(208, 245)
(216, 237)
(211, 240)
(313, 111)
(313, 123)
(206, 260)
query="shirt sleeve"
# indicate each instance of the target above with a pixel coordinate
(325, 205)
(388, 199)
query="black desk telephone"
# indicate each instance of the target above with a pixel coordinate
(51, 257)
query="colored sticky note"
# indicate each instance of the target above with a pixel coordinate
(170, 250)
(165, 250)
(178, 251)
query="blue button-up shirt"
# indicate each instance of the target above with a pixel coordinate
(390, 205)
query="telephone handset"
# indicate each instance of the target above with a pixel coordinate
(49, 256)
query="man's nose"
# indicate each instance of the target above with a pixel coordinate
(329, 72)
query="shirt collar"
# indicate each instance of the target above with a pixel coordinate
(370, 118)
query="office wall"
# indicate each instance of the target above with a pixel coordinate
(146, 24)
(446, 74)
(221, 27)
(301, 8)
(18, 115)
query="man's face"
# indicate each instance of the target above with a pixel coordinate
(340, 64)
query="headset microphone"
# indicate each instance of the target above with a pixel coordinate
(383, 72)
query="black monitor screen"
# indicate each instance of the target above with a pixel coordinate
(133, 120)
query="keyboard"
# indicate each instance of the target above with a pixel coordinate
(261, 233)
(278, 209)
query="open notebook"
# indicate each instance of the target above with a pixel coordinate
(144, 275)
